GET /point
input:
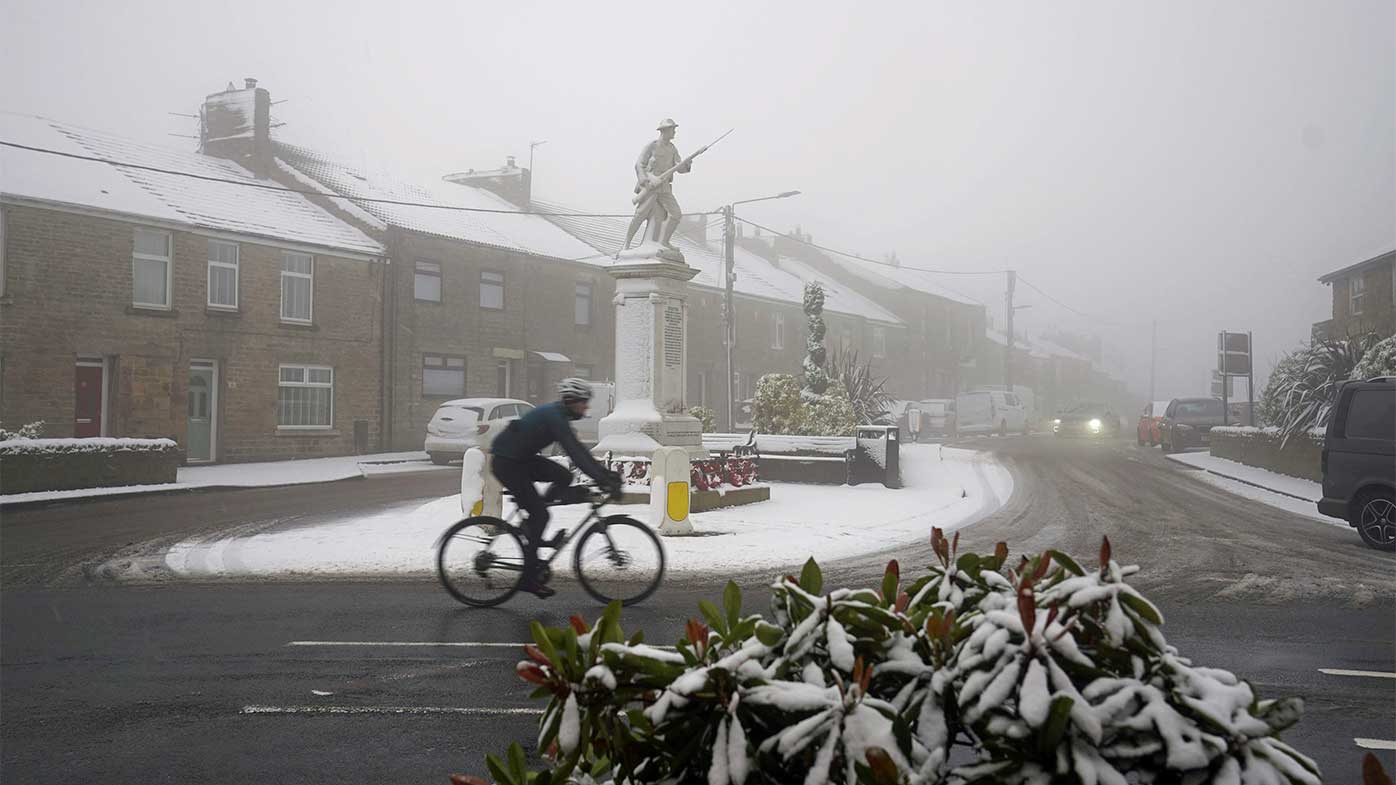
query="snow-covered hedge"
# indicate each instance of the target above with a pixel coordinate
(31, 430)
(973, 672)
(781, 408)
(25, 446)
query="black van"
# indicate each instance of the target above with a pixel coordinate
(1359, 461)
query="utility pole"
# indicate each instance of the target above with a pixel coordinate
(1008, 351)
(1153, 357)
(729, 321)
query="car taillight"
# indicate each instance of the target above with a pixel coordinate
(482, 427)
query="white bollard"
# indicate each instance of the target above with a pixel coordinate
(669, 491)
(480, 491)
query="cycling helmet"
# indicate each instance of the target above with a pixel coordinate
(574, 389)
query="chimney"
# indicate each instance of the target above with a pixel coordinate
(511, 182)
(236, 124)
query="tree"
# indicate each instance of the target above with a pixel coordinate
(816, 379)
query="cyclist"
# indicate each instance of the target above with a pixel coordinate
(517, 462)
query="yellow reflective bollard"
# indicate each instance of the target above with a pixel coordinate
(669, 491)
(480, 491)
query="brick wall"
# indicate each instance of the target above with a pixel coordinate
(1377, 313)
(69, 292)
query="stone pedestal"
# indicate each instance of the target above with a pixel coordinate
(651, 359)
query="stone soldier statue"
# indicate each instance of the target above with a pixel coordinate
(654, 175)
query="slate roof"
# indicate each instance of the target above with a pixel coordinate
(168, 198)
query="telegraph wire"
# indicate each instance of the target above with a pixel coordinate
(866, 259)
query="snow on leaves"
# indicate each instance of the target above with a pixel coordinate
(972, 672)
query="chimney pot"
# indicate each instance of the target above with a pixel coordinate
(250, 84)
(509, 162)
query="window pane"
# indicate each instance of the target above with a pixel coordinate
(1371, 415)
(152, 242)
(304, 406)
(293, 374)
(432, 361)
(455, 362)
(491, 290)
(582, 304)
(296, 263)
(427, 287)
(150, 282)
(439, 381)
(295, 298)
(321, 375)
(222, 286)
(219, 251)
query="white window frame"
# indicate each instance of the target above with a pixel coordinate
(502, 282)
(576, 300)
(777, 331)
(168, 259)
(304, 383)
(237, 275)
(310, 319)
(417, 272)
(879, 342)
(1357, 294)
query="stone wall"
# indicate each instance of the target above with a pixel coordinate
(1301, 457)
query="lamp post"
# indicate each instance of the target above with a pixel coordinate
(531, 147)
(729, 320)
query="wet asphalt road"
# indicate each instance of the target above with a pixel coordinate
(185, 682)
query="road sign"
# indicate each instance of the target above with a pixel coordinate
(1217, 391)
(1234, 353)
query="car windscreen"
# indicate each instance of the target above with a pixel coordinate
(1199, 409)
(470, 413)
(936, 408)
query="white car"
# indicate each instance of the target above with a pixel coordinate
(469, 422)
(990, 411)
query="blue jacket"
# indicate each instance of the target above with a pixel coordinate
(534, 432)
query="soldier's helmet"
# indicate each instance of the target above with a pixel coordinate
(668, 123)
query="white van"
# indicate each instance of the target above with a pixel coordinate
(1025, 397)
(990, 411)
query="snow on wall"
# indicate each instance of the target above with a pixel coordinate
(93, 444)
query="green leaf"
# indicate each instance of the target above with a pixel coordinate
(1057, 718)
(769, 634)
(1142, 607)
(544, 641)
(889, 587)
(601, 766)
(540, 778)
(811, 579)
(497, 770)
(732, 601)
(713, 616)
(518, 763)
(969, 563)
(1067, 562)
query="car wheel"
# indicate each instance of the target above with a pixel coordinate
(440, 459)
(1374, 516)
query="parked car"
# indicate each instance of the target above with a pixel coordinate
(989, 411)
(1147, 431)
(1359, 461)
(463, 423)
(937, 416)
(1188, 422)
(1092, 420)
(1026, 398)
(603, 402)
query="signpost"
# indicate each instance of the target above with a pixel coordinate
(1234, 355)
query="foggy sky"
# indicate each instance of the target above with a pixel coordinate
(1198, 163)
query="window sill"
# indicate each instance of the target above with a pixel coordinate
(213, 310)
(299, 325)
(159, 313)
(308, 432)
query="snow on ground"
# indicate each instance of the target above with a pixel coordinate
(1292, 494)
(945, 487)
(247, 475)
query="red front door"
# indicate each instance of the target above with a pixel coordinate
(87, 396)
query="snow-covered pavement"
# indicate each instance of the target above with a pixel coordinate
(1292, 494)
(252, 475)
(945, 487)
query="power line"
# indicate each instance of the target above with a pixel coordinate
(282, 189)
(862, 258)
(1082, 314)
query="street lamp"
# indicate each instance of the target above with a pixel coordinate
(729, 320)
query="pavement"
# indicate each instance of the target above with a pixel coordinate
(232, 681)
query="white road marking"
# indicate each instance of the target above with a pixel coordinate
(478, 711)
(1366, 674)
(1376, 744)
(461, 644)
(321, 693)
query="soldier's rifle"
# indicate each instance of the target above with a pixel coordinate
(644, 189)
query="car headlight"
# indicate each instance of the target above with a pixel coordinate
(1057, 421)
(1094, 425)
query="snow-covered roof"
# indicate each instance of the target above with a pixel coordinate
(892, 276)
(837, 297)
(167, 198)
(512, 231)
(1037, 348)
(756, 276)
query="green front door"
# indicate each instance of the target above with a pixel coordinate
(200, 413)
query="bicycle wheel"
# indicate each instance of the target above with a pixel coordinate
(619, 558)
(480, 561)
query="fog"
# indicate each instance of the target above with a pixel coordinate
(1195, 163)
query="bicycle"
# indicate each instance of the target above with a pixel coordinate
(480, 559)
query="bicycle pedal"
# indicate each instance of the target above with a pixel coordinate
(556, 540)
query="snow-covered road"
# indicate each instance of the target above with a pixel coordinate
(945, 487)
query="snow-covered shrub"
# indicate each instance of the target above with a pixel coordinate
(971, 673)
(25, 446)
(1270, 408)
(866, 392)
(1378, 360)
(831, 414)
(1301, 392)
(705, 416)
(777, 407)
(816, 379)
(33, 430)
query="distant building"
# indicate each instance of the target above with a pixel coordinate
(1363, 296)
